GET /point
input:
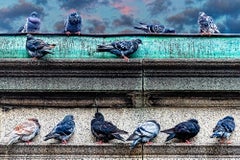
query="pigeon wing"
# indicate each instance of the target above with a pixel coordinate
(25, 128)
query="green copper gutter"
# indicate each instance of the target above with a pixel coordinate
(154, 46)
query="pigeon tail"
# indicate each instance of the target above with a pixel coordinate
(142, 26)
(117, 136)
(46, 52)
(132, 137)
(119, 131)
(168, 131)
(13, 139)
(104, 48)
(50, 136)
(171, 136)
(133, 145)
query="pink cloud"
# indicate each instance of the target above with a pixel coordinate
(125, 10)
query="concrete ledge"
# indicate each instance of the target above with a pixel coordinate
(116, 83)
(70, 99)
(122, 151)
(193, 99)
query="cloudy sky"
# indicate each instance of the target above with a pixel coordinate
(119, 16)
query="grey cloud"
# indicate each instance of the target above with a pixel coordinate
(96, 26)
(218, 8)
(77, 4)
(123, 21)
(158, 6)
(14, 12)
(186, 17)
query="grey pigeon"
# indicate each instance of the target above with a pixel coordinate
(25, 131)
(206, 24)
(105, 131)
(121, 48)
(37, 48)
(144, 133)
(63, 130)
(224, 129)
(32, 24)
(73, 24)
(154, 28)
(183, 131)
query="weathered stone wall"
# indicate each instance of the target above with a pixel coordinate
(127, 93)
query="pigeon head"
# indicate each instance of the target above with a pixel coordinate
(34, 18)
(138, 41)
(68, 118)
(169, 30)
(33, 119)
(202, 14)
(99, 116)
(74, 18)
(229, 117)
(193, 121)
(29, 37)
(34, 14)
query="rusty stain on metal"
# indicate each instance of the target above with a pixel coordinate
(154, 46)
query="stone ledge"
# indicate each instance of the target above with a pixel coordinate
(191, 68)
(123, 150)
(71, 68)
(70, 99)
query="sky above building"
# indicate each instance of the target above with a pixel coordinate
(119, 16)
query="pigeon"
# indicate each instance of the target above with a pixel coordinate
(63, 130)
(121, 48)
(144, 133)
(206, 24)
(105, 131)
(25, 131)
(183, 131)
(37, 48)
(73, 24)
(154, 28)
(32, 24)
(224, 129)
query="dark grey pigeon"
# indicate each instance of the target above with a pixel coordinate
(73, 24)
(63, 130)
(144, 133)
(206, 24)
(224, 129)
(121, 48)
(32, 24)
(154, 28)
(37, 48)
(105, 131)
(183, 131)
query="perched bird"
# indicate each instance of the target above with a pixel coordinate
(105, 131)
(206, 24)
(25, 131)
(224, 129)
(73, 24)
(32, 24)
(154, 28)
(37, 48)
(63, 130)
(121, 48)
(183, 131)
(144, 133)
